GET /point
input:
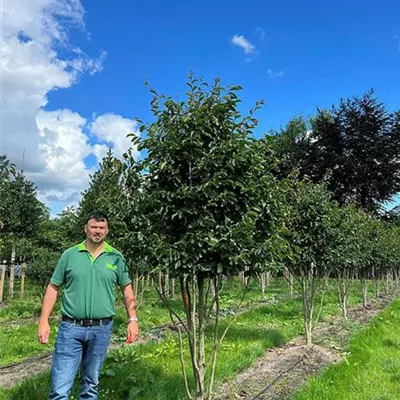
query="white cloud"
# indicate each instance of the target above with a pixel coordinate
(275, 74)
(64, 147)
(53, 143)
(113, 129)
(241, 41)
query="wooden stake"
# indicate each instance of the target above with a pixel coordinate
(23, 273)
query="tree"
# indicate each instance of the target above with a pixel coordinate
(7, 171)
(103, 194)
(312, 233)
(357, 144)
(202, 186)
(21, 213)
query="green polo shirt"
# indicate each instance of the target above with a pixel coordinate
(89, 284)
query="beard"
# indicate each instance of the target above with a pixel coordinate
(97, 239)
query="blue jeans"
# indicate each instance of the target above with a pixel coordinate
(76, 344)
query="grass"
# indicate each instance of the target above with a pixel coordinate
(20, 333)
(372, 369)
(152, 370)
(20, 341)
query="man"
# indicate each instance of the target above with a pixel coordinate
(89, 272)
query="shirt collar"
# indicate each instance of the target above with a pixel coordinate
(107, 248)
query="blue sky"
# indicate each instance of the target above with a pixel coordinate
(297, 56)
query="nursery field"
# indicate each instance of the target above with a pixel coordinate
(151, 369)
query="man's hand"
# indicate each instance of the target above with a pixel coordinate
(133, 332)
(44, 331)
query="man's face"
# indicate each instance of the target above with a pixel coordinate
(96, 231)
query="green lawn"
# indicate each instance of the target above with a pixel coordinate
(19, 331)
(371, 371)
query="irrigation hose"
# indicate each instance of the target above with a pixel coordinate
(278, 378)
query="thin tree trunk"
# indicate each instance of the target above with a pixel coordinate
(241, 277)
(263, 284)
(216, 282)
(396, 277)
(306, 313)
(173, 294)
(166, 284)
(189, 303)
(2, 279)
(307, 294)
(343, 291)
(376, 281)
(143, 287)
(23, 273)
(213, 294)
(290, 279)
(387, 281)
(364, 288)
(160, 282)
(12, 272)
(267, 278)
(136, 284)
(201, 359)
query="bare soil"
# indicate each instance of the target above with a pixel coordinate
(277, 374)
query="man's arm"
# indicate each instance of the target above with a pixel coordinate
(130, 306)
(49, 300)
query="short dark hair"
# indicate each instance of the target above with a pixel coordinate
(98, 216)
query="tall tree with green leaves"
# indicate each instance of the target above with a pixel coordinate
(203, 184)
(312, 234)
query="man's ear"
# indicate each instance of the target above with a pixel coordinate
(85, 229)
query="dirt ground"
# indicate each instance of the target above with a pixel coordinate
(274, 376)
(281, 370)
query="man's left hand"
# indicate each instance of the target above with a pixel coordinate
(133, 332)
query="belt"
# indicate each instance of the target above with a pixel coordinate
(87, 322)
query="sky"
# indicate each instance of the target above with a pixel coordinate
(73, 72)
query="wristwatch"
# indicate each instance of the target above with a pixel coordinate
(133, 319)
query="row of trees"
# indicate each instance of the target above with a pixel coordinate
(209, 200)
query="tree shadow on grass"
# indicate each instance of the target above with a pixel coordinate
(137, 381)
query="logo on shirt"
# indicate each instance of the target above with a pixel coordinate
(111, 266)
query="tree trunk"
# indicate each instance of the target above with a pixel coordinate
(189, 304)
(213, 294)
(343, 291)
(173, 294)
(136, 283)
(241, 277)
(290, 279)
(201, 358)
(396, 277)
(23, 273)
(12, 272)
(376, 281)
(2, 279)
(364, 288)
(166, 284)
(307, 294)
(307, 315)
(160, 282)
(263, 284)
(387, 281)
